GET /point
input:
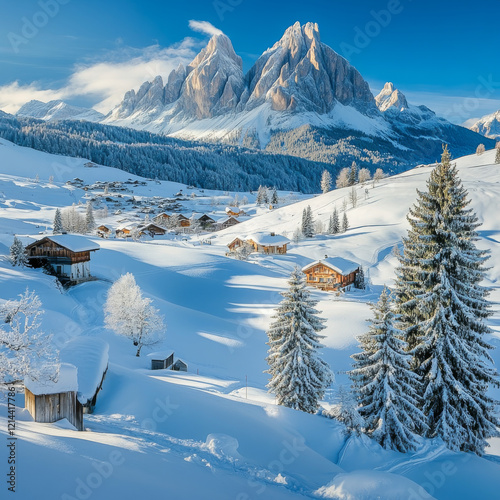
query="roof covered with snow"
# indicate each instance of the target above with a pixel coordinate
(268, 239)
(160, 354)
(72, 242)
(90, 356)
(66, 382)
(338, 264)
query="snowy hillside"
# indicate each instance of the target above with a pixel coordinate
(214, 432)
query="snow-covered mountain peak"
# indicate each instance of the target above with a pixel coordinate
(220, 48)
(390, 97)
(488, 125)
(58, 110)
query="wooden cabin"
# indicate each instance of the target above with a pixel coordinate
(123, 232)
(153, 230)
(90, 356)
(180, 366)
(234, 211)
(235, 244)
(67, 255)
(161, 360)
(227, 222)
(268, 243)
(162, 219)
(184, 221)
(331, 273)
(206, 221)
(51, 401)
(103, 231)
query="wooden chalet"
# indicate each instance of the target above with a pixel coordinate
(67, 255)
(51, 401)
(234, 211)
(265, 243)
(153, 230)
(161, 360)
(162, 219)
(103, 231)
(331, 273)
(90, 356)
(236, 243)
(227, 222)
(206, 221)
(184, 221)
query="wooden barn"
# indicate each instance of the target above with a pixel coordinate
(161, 360)
(153, 230)
(226, 222)
(67, 255)
(268, 243)
(50, 401)
(331, 273)
(90, 356)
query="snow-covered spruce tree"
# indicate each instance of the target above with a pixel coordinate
(334, 227)
(345, 223)
(443, 309)
(89, 217)
(58, 224)
(359, 279)
(130, 314)
(299, 377)
(307, 222)
(353, 197)
(326, 182)
(18, 255)
(262, 195)
(497, 156)
(24, 348)
(353, 174)
(386, 387)
(345, 410)
(274, 197)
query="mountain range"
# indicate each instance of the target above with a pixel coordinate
(300, 98)
(488, 125)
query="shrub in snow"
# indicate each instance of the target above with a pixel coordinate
(345, 410)
(443, 309)
(480, 149)
(24, 348)
(130, 314)
(18, 253)
(299, 377)
(387, 389)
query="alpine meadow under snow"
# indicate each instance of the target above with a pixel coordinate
(215, 431)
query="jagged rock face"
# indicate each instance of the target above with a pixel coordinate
(214, 82)
(299, 73)
(488, 125)
(390, 97)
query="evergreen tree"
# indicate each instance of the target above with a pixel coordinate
(299, 377)
(307, 222)
(89, 217)
(386, 386)
(345, 410)
(274, 197)
(326, 182)
(334, 225)
(18, 253)
(345, 223)
(262, 195)
(443, 310)
(353, 174)
(497, 156)
(58, 224)
(359, 280)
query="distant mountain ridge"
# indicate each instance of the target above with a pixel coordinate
(58, 110)
(488, 125)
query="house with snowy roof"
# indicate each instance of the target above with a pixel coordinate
(67, 255)
(331, 273)
(49, 401)
(266, 243)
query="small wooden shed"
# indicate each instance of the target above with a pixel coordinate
(161, 360)
(51, 401)
(180, 366)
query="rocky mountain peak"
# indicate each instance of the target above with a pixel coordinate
(391, 98)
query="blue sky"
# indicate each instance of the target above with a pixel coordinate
(440, 53)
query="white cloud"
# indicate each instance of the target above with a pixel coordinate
(103, 83)
(204, 27)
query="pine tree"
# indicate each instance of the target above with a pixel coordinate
(307, 222)
(345, 223)
(262, 195)
(443, 310)
(326, 182)
(497, 156)
(274, 197)
(386, 386)
(299, 377)
(58, 224)
(345, 410)
(359, 280)
(353, 174)
(18, 253)
(89, 217)
(334, 223)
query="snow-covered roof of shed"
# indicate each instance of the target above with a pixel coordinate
(160, 354)
(66, 382)
(90, 356)
(236, 210)
(73, 242)
(338, 264)
(268, 239)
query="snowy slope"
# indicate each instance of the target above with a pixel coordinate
(58, 110)
(195, 434)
